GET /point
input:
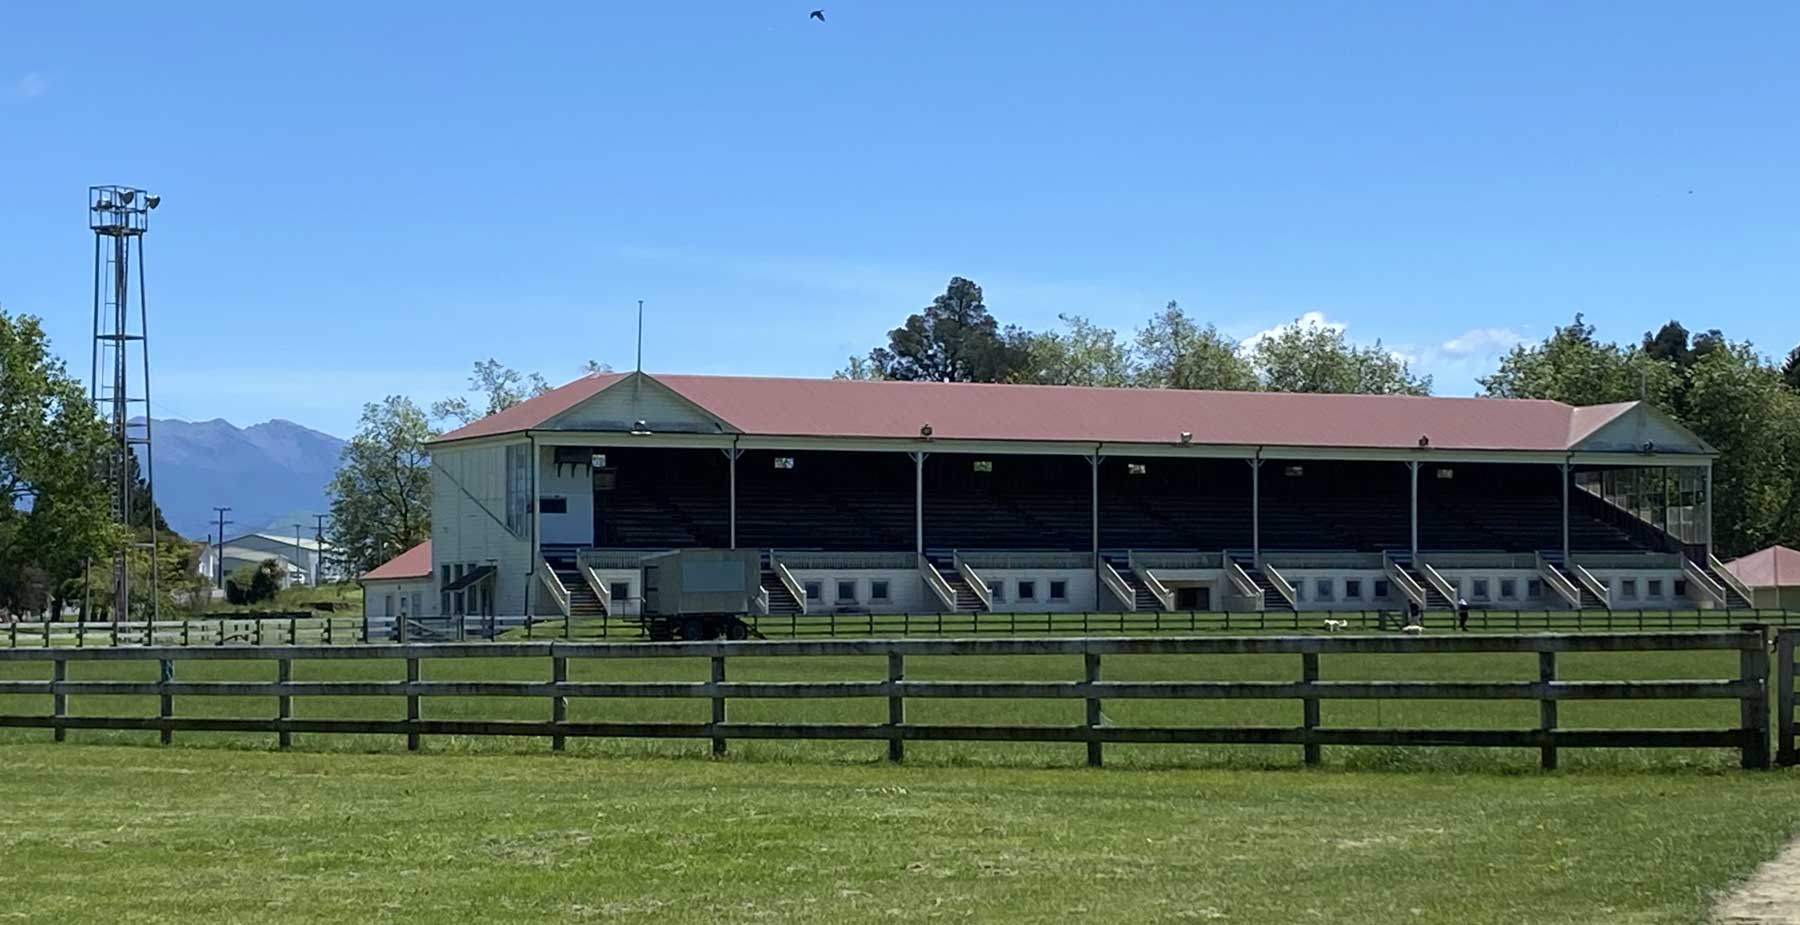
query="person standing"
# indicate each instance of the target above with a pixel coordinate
(1462, 614)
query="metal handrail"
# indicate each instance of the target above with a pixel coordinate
(1115, 583)
(1593, 585)
(1731, 581)
(1438, 582)
(974, 581)
(1281, 585)
(1557, 580)
(788, 581)
(558, 593)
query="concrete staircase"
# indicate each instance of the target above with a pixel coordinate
(781, 600)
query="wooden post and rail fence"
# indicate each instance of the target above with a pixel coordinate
(1751, 688)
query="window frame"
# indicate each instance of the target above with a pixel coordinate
(1057, 597)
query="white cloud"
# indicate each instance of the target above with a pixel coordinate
(1479, 342)
(1307, 320)
(30, 86)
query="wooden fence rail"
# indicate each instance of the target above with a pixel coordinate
(1749, 688)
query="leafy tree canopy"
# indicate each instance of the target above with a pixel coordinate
(381, 494)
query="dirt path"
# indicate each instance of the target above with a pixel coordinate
(1770, 897)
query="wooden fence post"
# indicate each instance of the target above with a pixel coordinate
(718, 704)
(1547, 709)
(896, 706)
(412, 704)
(1753, 665)
(59, 701)
(1091, 666)
(284, 704)
(559, 705)
(166, 706)
(1785, 754)
(1309, 673)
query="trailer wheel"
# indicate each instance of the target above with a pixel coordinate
(736, 630)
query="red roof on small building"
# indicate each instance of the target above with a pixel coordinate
(413, 563)
(1775, 567)
(786, 407)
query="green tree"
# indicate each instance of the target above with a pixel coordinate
(1572, 366)
(1174, 352)
(55, 512)
(954, 339)
(497, 387)
(860, 369)
(1790, 371)
(381, 494)
(1084, 354)
(255, 583)
(1319, 358)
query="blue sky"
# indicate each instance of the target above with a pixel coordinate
(362, 199)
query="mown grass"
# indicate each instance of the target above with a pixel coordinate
(98, 833)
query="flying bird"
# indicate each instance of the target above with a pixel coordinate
(817, 14)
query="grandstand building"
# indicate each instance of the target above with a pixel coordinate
(920, 497)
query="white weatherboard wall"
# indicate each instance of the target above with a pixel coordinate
(575, 485)
(413, 596)
(468, 520)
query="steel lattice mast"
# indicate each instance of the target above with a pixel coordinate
(119, 216)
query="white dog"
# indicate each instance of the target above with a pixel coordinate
(1332, 626)
(1412, 628)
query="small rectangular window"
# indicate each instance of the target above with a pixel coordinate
(1322, 589)
(814, 590)
(1479, 589)
(1444, 473)
(1509, 588)
(846, 592)
(1059, 589)
(597, 461)
(1294, 472)
(784, 462)
(1353, 589)
(1654, 587)
(984, 465)
(620, 591)
(553, 505)
(997, 591)
(1681, 587)
(1628, 589)
(1534, 588)
(878, 590)
(1381, 589)
(1136, 468)
(1027, 591)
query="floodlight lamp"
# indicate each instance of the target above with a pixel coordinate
(1424, 441)
(152, 200)
(640, 429)
(1187, 437)
(925, 431)
(125, 196)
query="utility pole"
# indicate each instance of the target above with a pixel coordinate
(219, 562)
(299, 553)
(319, 563)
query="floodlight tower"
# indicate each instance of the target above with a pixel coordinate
(119, 215)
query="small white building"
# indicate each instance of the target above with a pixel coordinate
(400, 588)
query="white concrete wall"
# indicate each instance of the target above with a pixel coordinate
(1339, 598)
(575, 485)
(906, 590)
(1645, 598)
(384, 598)
(633, 603)
(468, 520)
(1079, 599)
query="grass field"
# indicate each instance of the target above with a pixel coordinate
(1446, 714)
(99, 833)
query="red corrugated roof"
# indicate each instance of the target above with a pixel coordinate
(976, 411)
(1775, 567)
(413, 563)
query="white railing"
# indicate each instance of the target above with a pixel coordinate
(1281, 585)
(1329, 560)
(598, 586)
(1731, 581)
(945, 594)
(1026, 560)
(1115, 583)
(974, 581)
(1439, 583)
(759, 602)
(1414, 591)
(850, 560)
(1481, 560)
(1241, 580)
(1176, 560)
(1154, 585)
(554, 586)
(1558, 582)
(788, 580)
(1697, 578)
(615, 558)
(1594, 586)
(1629, 560)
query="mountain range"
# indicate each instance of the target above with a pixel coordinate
(272, 475)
